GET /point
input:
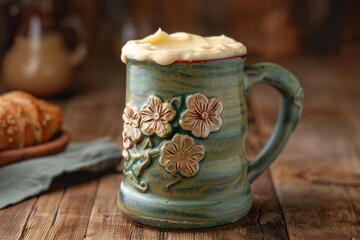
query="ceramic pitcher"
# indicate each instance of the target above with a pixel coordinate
(185, 126)
(39, 62)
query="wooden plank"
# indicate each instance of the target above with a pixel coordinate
(44, 212)
(106, 222)
(74, 210)
(13, 219)
(48, 213)
(57, 214)
(313, 175)
(92, 115)
(269, 214)
(88, 116)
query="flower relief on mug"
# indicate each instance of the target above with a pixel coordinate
(131, 133)
(181, 156)
(178, 154)
(202, 115)
(155, 117)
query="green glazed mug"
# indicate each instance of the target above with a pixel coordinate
(185, 125)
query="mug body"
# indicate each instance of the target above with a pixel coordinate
(185, 164)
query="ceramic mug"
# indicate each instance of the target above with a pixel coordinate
(184, 130)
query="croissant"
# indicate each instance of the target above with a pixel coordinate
(26, 120)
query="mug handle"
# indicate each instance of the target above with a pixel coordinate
(80, 52)
(292, 96)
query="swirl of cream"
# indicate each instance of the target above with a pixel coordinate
(165, 48)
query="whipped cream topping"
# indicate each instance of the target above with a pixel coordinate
(165, 49)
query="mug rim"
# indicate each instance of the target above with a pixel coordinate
(195, 61)
(211, 60)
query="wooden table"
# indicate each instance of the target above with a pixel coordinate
(312, 191)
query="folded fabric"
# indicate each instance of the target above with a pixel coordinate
(25, 179)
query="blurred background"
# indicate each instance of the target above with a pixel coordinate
(94, 32)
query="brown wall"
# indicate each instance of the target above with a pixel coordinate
(266, 27)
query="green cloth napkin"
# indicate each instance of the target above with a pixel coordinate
(25, 179)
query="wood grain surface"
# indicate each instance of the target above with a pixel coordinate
(312, 191)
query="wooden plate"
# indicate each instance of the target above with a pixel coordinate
(56, 145)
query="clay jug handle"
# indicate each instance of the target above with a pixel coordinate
(290, 109)
(79, 54)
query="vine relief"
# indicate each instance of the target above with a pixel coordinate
(177, 153)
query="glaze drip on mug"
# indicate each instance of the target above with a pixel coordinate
(165, 49)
